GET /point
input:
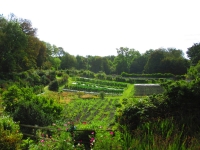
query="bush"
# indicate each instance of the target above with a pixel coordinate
(132, 116)
(10, 137)
(59, 73)
(52, 75)
(29, 108)
(53, 86)
(45, 80)
(102, 95)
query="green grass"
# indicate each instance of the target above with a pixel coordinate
(128, 92)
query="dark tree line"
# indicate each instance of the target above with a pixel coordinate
(21, 50)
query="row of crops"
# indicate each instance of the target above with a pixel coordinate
(102, 82)
(90, 111)
(89, 85)
(122, 81)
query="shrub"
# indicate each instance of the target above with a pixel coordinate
(24, 75)
(29, 108)
(45, 80)
(10, 137)
(59, 74)
(52, 75)
(102, 94)
(53, 86)
(101, 75)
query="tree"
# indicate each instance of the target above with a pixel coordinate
(193, 53)
(20, 49)
(154, 61)
(13, 42)
(41, 57)
(177, 66)
(32, 50)
(68, 61)
(81, 62)
(27, 28)
(121, 61)
(137, 65)
(124, 59)
(106, 63)
(96, 64)
(56, 63)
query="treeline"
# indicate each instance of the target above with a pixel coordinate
(21, 50)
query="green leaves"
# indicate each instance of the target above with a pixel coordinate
(194, 53)
(29, 108)
(9, 133)
(13, 44)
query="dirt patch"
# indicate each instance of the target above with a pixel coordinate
(88, 96)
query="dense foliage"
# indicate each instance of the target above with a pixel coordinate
(179, 101)
(28, 108)
(28, 52)
(10, 135)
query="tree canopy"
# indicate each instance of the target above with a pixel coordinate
(21, 50)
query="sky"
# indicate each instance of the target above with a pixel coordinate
(99, 27)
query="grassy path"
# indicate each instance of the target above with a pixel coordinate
(128, 92)
(127, 96)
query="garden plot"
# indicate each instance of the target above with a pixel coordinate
(94, 87)
(147, 89)
(91, 111)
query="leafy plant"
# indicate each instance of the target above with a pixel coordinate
(53, 86)
(102, 95)
(29, 108)
(10, 136)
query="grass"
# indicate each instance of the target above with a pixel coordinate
(128, 92)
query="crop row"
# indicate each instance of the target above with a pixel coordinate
(96, 85)
(95, 89)
(91, 110)
(102, 82)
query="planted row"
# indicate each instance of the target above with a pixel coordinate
(95, 89)
(102, 82)
(88, 111)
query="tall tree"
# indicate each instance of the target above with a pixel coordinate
(81, 62)
(137, 65)
(68, 61)
(154, 61)
(13, 41)
(121, 60)
(27, 28)
(56, 62)
(41, 57)
(106, 64)
(193, 53)
(124, 59)
(96, 63)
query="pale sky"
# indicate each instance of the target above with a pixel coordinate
(98, 27)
